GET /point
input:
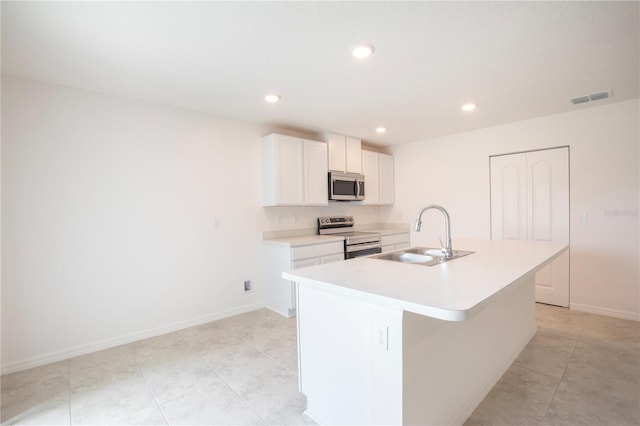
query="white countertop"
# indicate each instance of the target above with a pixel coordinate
(388, 231)
(452, 291)
(305, 240)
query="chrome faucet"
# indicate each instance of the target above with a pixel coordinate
(447, 250)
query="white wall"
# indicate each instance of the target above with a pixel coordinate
(118, 216)
(604, 179)
(124, 219)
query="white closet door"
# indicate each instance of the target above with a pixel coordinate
(530, 201)
(509, 197)
(548, 195)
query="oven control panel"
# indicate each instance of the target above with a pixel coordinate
(336, 221)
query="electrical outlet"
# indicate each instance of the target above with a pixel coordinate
(247, 286)
(381, 336)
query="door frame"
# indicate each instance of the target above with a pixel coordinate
(569, 194)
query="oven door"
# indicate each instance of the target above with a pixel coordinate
(360, 250)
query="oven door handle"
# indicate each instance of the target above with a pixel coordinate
(358, 247)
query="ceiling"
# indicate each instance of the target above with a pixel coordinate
(516, 60)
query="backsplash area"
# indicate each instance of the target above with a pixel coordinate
(305, 218)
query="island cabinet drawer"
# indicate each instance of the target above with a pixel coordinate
(317, 250)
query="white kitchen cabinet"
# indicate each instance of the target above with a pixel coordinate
(305, 263)
(394, 241)
(332, 258)
(378, 177)
(530, 201)
(371, 172)
(354, 155)
(280, 256)
(386, 179)
(316, 188)
(345, 153)
(294, 171)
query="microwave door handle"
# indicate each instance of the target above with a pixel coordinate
(357, 187)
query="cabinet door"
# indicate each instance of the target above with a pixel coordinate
(370, 170)
(297, 264)
(315, 173)
(304, 263)
(354, 155)
(337, 152)
(332, 258)
(289, 171)
(387, 183)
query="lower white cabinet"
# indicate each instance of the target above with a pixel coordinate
(280, 257)
(395, 241)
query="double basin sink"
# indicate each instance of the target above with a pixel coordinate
(427, 256)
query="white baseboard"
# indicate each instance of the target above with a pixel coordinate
(635, 316)
(61, 355)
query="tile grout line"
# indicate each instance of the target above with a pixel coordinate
(234, 390)
(564, 372)
(225, 380)
(269, 357)
(153, 394)
(69, 371)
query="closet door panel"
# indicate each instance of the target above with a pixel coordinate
(509, 197)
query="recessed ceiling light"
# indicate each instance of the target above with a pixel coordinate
(272, 98)
(380, 130)
(363, 50)
(469, 106)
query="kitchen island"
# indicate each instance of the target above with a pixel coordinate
(384, 342)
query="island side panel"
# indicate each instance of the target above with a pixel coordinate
(449, 367)
(348, 375)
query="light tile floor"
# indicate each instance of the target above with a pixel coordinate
(578, 369)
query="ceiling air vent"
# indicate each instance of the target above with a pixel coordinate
(592, 97)
(580, 100)
(598, 96)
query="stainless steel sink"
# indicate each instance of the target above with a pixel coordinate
(427, 256)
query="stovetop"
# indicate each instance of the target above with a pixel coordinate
(343, 226)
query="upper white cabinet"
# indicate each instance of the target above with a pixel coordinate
(387, 182)
(354, 155)
(294, 171)
(371, 172)
(345, 153)
(378, 178)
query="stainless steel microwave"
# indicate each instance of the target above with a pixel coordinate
(346, 186)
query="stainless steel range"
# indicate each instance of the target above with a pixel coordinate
(356, 244)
